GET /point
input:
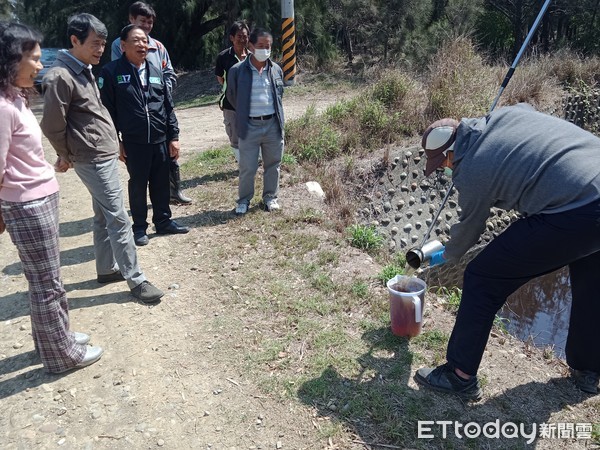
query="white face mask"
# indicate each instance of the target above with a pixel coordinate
(262, 54)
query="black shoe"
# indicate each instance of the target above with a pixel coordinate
(173, 228)
(147, 292)
(140, 239)
(586, 380)
(444, 379)
(110, 277)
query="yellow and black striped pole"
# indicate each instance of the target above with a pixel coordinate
(288, 42)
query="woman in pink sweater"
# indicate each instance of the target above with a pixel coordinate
(29, 204)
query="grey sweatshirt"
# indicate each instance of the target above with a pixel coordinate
(519, 159)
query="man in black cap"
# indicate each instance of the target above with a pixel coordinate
(548, 170)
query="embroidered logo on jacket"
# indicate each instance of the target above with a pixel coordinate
(122, 79)
(155, 80)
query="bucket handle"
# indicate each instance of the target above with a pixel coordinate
(418, 312)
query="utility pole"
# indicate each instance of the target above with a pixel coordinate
(288, 42)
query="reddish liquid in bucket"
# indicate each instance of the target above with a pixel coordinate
(407, 286)
(402, 309)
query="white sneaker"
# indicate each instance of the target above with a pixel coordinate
(241, 209)
(272, 205)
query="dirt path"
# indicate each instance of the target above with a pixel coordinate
(202, 128)
(176, 376)
(167, 377)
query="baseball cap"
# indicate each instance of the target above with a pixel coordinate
(438, 138)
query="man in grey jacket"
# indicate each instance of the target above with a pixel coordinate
(82, 132)
(255, 90)
(548, 170)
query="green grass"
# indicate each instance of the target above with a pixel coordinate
(209, 161)
(203, 100)
(364, 237)
(596, 433)
(500, 324)
(288, 160)
(452, 297)
(432, 340)
(389, 272)
(321, 333)
(359, 289)
(395, 267)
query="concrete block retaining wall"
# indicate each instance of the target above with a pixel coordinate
(403, 202)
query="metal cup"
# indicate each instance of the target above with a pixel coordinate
(415, 257)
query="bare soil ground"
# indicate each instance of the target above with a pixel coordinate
(176, 375)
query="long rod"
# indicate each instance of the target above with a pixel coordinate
(507, 78)
(510, 72)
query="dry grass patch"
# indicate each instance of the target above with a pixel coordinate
(459, 83)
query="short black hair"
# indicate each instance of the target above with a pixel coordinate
(128, 29)
(238, 25)
(80, 25)
(15, 40)
(141, 9)
(257, 33)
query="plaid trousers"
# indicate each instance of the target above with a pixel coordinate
(33, 228)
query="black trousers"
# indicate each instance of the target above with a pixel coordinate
(529, 248)
(148, 167)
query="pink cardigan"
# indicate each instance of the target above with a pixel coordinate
(24, 172)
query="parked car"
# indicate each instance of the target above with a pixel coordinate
(48, 57)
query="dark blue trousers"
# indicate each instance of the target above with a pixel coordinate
(527, 249)
(148, 167)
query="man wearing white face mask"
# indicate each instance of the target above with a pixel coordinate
(255, 89)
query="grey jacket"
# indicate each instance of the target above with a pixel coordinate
(75, 121)
(519, 159)
(239, 85)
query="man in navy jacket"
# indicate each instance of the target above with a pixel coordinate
(136, 96)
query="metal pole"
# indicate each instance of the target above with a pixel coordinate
(507, 78)
(288, 42)
(510, 72)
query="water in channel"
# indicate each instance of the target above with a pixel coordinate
(540, 310)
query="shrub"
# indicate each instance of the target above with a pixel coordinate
(373, 117)
(340, 111)
(392, 88)
(311, 138)
(459, 84)
(570, 68)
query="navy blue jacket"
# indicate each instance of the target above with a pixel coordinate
(142, 117)
(239, 87)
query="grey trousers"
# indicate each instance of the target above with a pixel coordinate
(113, 238)
(230, 127)
(265, 135)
